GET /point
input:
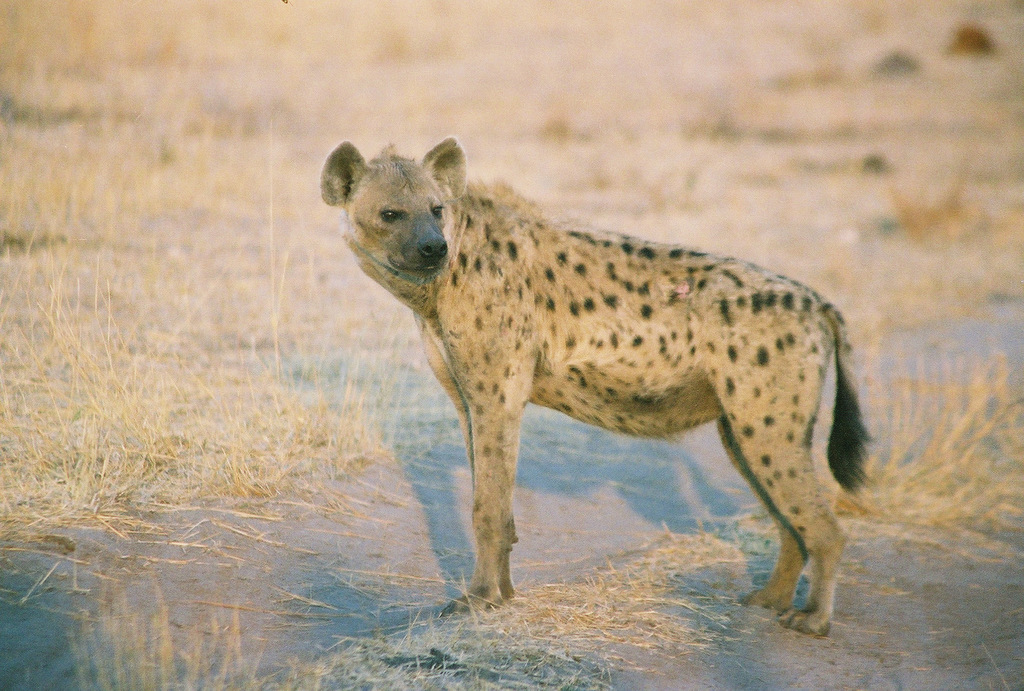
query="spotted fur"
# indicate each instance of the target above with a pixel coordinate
(637, 337)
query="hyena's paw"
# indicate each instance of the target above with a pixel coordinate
(764, 597)
(470, 602)
(814, 623)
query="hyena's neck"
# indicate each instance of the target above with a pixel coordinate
(487, 218)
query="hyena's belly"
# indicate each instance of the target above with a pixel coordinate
(634, 402)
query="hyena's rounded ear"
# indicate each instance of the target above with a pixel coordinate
(342, 170)
(446, 163)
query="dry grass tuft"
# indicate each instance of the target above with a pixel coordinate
(97, 414)
(458, 657)
(950, 448)
(559, 128)
(629, 604)
(122, 649)
(947, 218)
(549, 636)
(558, 636)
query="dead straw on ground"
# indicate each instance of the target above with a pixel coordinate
(97, 418)
(549, 636)
(636, 602)
(168, 287)
(124, 648)
(949, 446)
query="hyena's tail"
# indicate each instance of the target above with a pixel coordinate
(847, 444)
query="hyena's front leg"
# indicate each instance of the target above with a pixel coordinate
(493, 452)
(490, 402)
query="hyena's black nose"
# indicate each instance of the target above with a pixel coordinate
(433, 248)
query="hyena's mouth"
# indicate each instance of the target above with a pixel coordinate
(420, 275)
(426, 267)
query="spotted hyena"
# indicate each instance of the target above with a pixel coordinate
(636, 337)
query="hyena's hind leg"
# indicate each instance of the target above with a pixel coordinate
(781, 473)
(778, 593)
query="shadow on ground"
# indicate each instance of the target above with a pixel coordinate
(678, 486)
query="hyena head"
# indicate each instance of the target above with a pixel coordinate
(396, 207)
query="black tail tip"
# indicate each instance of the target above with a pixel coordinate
(847, 454)
(848, 442)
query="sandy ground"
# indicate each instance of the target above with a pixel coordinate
(917, 607)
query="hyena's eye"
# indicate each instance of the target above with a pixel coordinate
(437, 211)
(391, 215)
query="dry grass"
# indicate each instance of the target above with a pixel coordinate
(947, 218)
(161, 273)
(949, 447)
(99, 414)
(629, 603)
(121, 649)
(460, 658)
(160, 293)
(550, 636)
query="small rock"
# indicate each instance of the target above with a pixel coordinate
(875, 164)
(897, 64)
(58, 543)
(887, 225)
(971, 39)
